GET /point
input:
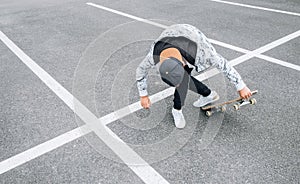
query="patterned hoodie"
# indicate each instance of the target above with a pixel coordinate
(206, 57)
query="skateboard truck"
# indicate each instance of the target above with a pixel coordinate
(211, 111)
(251, 101)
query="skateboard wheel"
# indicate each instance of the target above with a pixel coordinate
(208, 113)
(223, 109)
(253, 101)
(236, 107)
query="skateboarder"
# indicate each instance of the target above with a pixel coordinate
(177, 46)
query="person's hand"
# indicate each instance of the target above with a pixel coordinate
(245, 93)
(145, 102)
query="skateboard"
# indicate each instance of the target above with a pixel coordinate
(221, 107)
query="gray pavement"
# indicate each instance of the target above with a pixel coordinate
(255, 145)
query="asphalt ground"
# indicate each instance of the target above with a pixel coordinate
(76, 44)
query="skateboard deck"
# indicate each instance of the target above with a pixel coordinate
(221, 107)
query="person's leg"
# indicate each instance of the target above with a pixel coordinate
(198, 87)
(206, 95)
(179, 98)
(181, 92)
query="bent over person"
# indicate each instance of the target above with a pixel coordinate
(178, 45)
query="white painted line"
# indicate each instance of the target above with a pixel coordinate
(266, 47)
(41, 149)
(257, 7)
(261, 56)
(279, 62)
(38, 71)
(127, 15)
(74, 134)
(140, 167)
(226, 45)
(277, 42)
(120, 113)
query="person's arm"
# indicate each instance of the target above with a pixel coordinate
(233, 76)
(141, 77)
(223, 65)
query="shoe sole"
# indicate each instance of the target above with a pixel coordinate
(216, 98)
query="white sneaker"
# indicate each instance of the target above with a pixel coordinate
(202, 101)
(178, 118)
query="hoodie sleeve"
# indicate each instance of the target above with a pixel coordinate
(233, 76)
(142, 73)
(218, 61)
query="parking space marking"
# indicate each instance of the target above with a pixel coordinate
(139, 166)
(279, 62)
(257, 7)
(52, 144)
(270, 46)
(58, 89)
(228, 46)
(256, 53)
(42, 149)
(278, 42)
(261, 56)
(127, 15)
